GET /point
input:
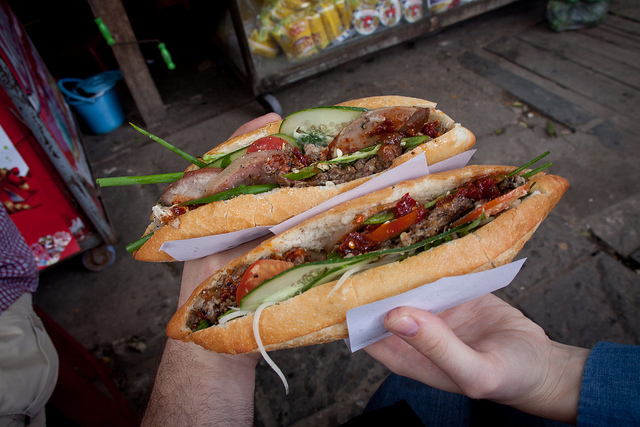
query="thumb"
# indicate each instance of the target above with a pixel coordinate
(433, 338)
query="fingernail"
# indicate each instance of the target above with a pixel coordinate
(404, 326)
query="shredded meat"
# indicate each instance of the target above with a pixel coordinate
(213, 302)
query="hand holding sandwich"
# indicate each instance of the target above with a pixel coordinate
(485, 349)
(185, 392)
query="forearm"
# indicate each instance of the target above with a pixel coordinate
(197, 387)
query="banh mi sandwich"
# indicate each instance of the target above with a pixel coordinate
(296, 288)
(269, 175)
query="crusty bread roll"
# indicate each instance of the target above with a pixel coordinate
(280, 204)
(315, 316)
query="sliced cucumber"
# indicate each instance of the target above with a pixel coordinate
(319, 125)
(225, 159)
(298, 279)
(291, 140)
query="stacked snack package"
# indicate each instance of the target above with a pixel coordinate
(439, 6)
(302, 28)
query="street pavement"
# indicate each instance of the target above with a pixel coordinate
(520, 88)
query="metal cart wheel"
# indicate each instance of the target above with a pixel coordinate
(99, 258)
(270, 103)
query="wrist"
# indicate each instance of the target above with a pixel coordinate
(560, 392)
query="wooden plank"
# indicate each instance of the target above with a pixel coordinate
(627, 8)
(622, 26)
(620, 97)
(613, 38)
(563, 105)
(587, 52)
(541, 98)
(130, 60)
(582, 40)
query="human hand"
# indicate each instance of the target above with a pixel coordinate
(195, 271)
(485, 349)
(256, 124)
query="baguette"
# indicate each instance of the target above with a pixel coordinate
(275, 206)
(319, 315)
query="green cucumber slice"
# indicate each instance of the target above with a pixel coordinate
(291, 140)
(319, 125)
(225, 159)
(298, 279)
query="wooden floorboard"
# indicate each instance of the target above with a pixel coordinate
(627, 8)
(622, 25)
(584, 40)
(587, 79)
(584, 81)
(615, 38)
(577, 112)
(619, 64)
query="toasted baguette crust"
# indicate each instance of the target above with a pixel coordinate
(276, 206)
(316, 317)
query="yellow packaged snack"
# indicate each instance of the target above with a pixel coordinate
(318, 32)
(331, 20)
(261, 43)
(299, 31)
(281, 35)
(345, 11)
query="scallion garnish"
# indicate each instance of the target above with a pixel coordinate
(230, 194)
(139, 180)
(132, 247)
(315, 168)
(176, 150)
(535, 171)
(379, 218)
(413, 141)
(526, 165)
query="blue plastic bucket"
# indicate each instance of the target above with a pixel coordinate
(95, 100)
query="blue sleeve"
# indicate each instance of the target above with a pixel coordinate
(610, 392)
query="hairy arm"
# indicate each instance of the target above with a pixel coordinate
(194, 386)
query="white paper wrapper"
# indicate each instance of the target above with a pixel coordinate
(184, 250)
(365, 322)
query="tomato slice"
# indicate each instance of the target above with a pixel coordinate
(260, 271)
(393, 228)
(496, 205)
(267, 143)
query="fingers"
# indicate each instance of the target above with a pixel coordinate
(403, 359)
(256, 124)
(433, 338)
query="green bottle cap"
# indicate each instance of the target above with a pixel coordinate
(105, 31)
(166, 56)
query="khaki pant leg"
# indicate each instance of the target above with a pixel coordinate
(28, 362)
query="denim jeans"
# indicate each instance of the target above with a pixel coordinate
(440, 408)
